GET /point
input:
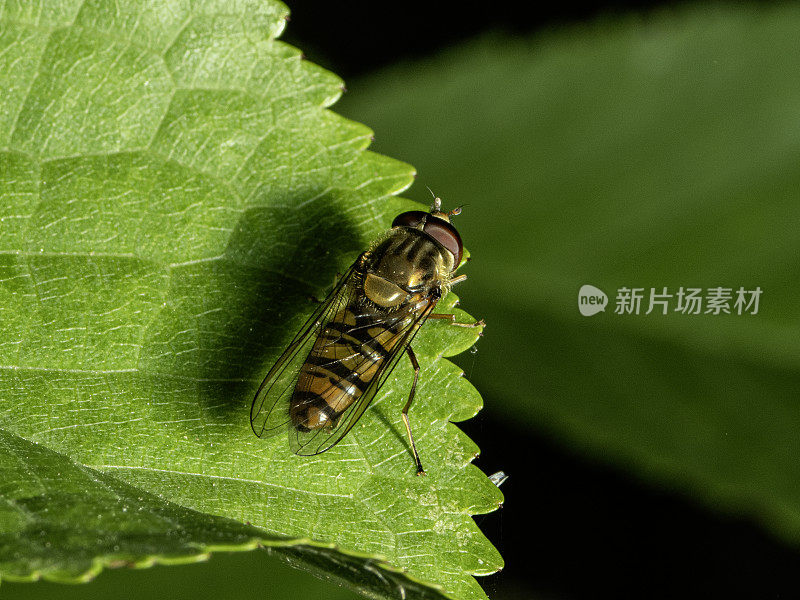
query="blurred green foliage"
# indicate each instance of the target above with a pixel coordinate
(642, 152)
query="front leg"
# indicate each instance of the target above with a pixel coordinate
(452, 319)
(316, 300)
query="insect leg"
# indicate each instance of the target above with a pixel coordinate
(452, 319)
(458, 279)
(415, 364)
(336, 279)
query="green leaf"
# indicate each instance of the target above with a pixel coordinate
(628, 153)
(172, 190)
(66, 522)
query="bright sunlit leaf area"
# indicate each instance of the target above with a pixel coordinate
(172, 191)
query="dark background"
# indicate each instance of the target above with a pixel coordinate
(387, 33)
(570, 528)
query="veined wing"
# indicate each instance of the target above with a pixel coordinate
(370, 345)
(269, 413)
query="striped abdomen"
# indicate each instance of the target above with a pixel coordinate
(345, 358)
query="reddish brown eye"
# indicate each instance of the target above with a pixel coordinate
(411, 218)
(444, 233)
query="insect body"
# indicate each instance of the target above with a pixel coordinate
(335, 365)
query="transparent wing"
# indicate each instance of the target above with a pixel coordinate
(309, 443)
(269, 413)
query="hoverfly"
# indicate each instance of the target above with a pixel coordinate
(357, 335)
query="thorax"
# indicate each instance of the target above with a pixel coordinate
(405, 266)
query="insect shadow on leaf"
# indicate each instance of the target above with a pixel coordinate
(245, 306)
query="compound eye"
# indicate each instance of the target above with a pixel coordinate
(411, 218)
(444, 233)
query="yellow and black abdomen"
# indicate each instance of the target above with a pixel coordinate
(347, 354)
(397, 280)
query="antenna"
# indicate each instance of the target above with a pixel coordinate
(437, 202)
